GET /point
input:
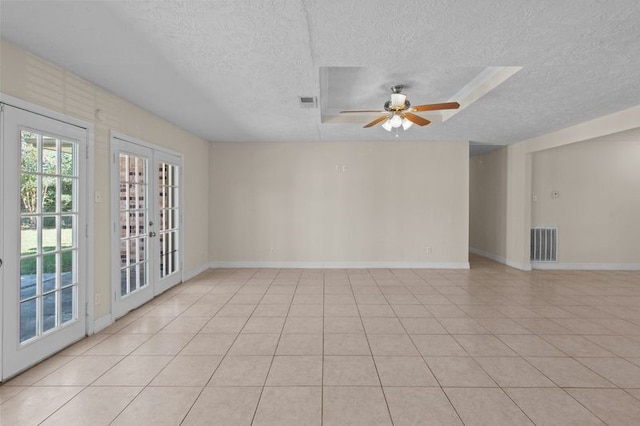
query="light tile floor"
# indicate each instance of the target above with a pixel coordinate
(487, 346)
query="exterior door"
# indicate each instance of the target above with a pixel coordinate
(167, 216)
(44, 237)
(147, 231)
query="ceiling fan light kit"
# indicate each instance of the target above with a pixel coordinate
(406, 124)
(398, 111)
(395, 120)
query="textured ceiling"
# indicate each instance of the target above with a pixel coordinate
(233, 70)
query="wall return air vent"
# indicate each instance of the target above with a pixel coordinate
(544, 244)
(308, 101)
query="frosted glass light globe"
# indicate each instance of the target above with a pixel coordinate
(396, 121)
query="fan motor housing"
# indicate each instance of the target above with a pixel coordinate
(387, 106)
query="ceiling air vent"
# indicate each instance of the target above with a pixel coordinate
(308, 101)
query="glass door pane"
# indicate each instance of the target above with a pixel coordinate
(48, 233)
(43, 207)
(134, 213)
(167, 247)
(146, 233)
(168, 212)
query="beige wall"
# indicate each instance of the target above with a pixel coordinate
(515, 207)
(519, 173)
(32, 79)
(285, 202)
(488, 204)
(598, 210)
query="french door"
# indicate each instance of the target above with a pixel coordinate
(147, 232)
(44, 237)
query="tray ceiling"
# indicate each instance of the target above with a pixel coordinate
(233, 71)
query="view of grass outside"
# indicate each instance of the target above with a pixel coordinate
(29, 244)
(48, 185)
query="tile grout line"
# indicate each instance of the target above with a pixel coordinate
(228, 349)
(113, 366)
(275, 350)
(527, 361)
(322, 356)
(375, 365)
(514, 299)
(147, 385)
(421, 356)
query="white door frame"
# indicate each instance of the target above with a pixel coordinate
(89, 208)
(164, 284)
(114, 139)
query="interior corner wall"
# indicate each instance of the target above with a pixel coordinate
(598, 209)
(514, 217)
(488, 204)
(340, 204)
(30, 78)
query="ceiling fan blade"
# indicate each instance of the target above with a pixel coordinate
(376, 121)
(362, 110)
(436, 107)
(416, 119)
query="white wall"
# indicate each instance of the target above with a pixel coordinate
(285, 203)
(28, 77)
(598, 210)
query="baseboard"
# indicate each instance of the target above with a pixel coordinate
(340, 265)
(500, 259)
(517, 265)
(488, 255)
(102, 323)
(186, 276)
(586, 266)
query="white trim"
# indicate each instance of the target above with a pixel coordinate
(102, 323)
(518, 265)
(155, 153)
(130, 139)
(89, 181)
(2, 184)
(90, 232)
(340, 265)
(586, 266)
(120, 308)
(159, 154)
(500, 259)
(186, 276)
(488, 255)
(37, 109)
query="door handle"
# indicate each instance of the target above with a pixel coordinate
(152, 234)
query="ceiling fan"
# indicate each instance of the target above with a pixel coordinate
(398, 112)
